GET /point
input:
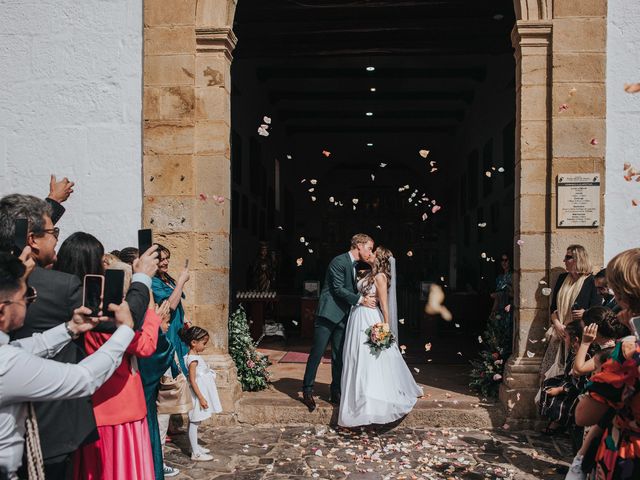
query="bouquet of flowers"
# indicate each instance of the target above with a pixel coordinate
(379, 337)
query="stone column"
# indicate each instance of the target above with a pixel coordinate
(186, 165)
(532, 43)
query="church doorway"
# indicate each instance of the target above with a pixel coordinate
(392, 118)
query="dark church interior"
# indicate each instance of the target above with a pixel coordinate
(388, 117)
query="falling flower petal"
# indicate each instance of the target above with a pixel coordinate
(311, 190)
(594, 141)
(326, 153)
(379, 227)
(331, 199)
(546, 291)
(311, 250)
(280, 227)
(424, 153)
(427, 347)
(313, 181)
(520, 242)
(635, 202)
(497, 377)
(303, 180)
(262, 132)
(401, 321)
(632, 87)
(266, 120)
(501, 169)
(302, 240)
(289, 157)
(295, 322)
(424, 217)
(482, 225)
(435, 208)
(479, 339)
(488, 173)
(382, 165)
(507, 308)
(415, 369)
(203, 196)
(313, 199)
(530, 354)
(218, 199)
(457, 325)
(542, 282)
(355, 201)
(299, 261)
(483, 255)
(563, 107)
(409, 253)
(373, 177)
(434, 169)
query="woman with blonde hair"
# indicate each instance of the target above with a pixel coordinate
(575, 291)
(376, 387)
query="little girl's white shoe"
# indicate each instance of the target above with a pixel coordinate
(201, 457)
(204, 450)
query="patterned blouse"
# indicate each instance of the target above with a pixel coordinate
(618, 386)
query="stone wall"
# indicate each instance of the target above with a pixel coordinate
(622, 219)
(70, 104)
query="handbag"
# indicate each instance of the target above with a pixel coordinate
(174, 395)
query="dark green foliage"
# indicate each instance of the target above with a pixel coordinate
(251, 365)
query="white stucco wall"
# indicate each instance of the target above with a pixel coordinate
(622, 220)
(70, 104)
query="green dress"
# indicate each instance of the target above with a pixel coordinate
(162, 292)
(151, 371)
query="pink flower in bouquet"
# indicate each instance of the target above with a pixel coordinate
(250, 363)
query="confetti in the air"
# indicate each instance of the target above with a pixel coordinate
(203, 196)
(632, 87)
(401, 321)
(594, 141)
(409, 253)
(263, 132)
(483, 255)
(415, 369)
(501, 169)
(530, 354)
(520, 242)
(313, 181)
(299, 262)
(488, 173)
(435, 208)
(302, 240)
(332, 200)
(482, 225)
(479, 339)
(313, 199)
(295, 322)
(373, 177)
(424, 153)
(311, 190)
(497, 377)
(280, 227)
(457, 325)
(563, 107)
(507, 308)
(355, 201)
(427, 347)
(382, 165)
(542, 282)
(266, 120)
(326, 153)
(546, 291)
(289, 157)
(218, 199)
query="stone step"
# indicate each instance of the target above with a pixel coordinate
(261, 410)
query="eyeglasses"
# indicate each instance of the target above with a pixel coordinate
(29, 297)
(55, 231)
(568, 257)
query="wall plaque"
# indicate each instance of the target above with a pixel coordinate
(578, 200)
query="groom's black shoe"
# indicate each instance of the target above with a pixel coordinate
(307, 399)
(335, 398)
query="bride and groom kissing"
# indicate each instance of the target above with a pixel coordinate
(370, 389)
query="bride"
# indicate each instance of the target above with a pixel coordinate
(375, 389)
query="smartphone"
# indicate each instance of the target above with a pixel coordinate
(635, 321)
(144, 240)
(21, 230)
(113, 290)
(92, 293)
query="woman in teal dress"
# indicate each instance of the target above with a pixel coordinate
(166, 288)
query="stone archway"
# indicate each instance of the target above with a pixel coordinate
(188, 47)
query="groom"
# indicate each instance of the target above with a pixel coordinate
(339, 293)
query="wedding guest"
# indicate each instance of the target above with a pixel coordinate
(152, 369)
(574, 292)
(615, 387)
(503, 294)
(560, 393)
(64, 425)
(25, 377)
(165, 287)
(604, 291)
(127, 255)
(203, 388)
(109, 259)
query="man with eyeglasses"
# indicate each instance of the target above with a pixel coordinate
(64, 425)
(25, 373)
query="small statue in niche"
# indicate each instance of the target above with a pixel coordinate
(262, 270)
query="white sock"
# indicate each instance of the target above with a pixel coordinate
(193, 437)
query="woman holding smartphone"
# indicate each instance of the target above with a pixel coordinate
(165, 287)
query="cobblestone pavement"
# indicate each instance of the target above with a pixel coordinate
(249, 452)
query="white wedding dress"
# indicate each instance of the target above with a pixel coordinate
(375, 389)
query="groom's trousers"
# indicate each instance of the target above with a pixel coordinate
(325, 331)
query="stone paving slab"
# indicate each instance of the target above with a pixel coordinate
(280, 452)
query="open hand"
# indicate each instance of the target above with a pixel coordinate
(148, 262)
(589, 333)
(370, 302)
(203, 404)
(560, 329)
(60, 191)
(554, 391)
(184, 276)
(577, 314)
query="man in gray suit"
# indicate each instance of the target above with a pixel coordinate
(339, 293)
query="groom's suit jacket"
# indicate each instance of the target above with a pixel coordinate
(339, 291)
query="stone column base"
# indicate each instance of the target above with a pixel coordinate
(519, 388)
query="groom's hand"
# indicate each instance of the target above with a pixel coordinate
(370, 302)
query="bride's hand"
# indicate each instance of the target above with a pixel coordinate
(370, 302)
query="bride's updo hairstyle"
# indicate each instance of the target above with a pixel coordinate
(382, 264)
